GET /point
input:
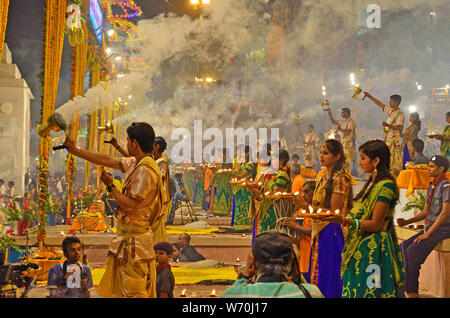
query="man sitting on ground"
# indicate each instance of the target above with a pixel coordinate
(185, 252)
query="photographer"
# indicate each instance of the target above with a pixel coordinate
(70, 279)
(180, 195)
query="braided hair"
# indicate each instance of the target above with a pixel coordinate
(376, 149)
(335, 147)
(284, 160)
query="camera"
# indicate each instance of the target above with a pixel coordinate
(11, 275)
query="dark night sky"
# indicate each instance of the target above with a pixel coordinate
(24, 36)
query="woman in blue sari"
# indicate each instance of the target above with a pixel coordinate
(333, 192)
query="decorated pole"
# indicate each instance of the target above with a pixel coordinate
(78, 72)
(94, 79)
(4, 5)
(55, 18)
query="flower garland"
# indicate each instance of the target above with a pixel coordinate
(55, 18)
(94, 79)
(78, 72)
(4, 6)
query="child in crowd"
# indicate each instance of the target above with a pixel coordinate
(165, 282)
(295, 166)
(305, 229)
(71, 278)
(437, 216)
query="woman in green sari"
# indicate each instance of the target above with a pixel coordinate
(223, 197)
(258, 204)
(372, 264)
(241, 196)
(280, 182)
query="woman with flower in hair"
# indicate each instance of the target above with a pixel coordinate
(333, 192)
(372, 264)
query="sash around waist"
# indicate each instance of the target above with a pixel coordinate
(131, 230)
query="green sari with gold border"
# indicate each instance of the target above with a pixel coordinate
(242, 197)
(223, 199)
(372, 263)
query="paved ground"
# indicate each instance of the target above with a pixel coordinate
(192, 291)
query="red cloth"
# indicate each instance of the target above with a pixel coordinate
(433, 185)
(161, 267)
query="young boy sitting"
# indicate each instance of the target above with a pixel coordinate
(165, 282)
(437, 214)
(419, 158)
(71, 278)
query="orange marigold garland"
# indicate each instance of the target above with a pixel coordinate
(4, 6)
(78, 72)
(55, 18)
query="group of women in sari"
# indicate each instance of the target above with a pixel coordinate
(354, 252)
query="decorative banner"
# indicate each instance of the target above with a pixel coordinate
(55, 18)
(126, 9)
(4, 6)
(78, 73)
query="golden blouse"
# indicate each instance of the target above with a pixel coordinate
(341, 185)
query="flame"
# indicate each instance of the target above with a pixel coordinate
(213, 292)
(237, 259)
(337, 211)
(183, 292)
(320, 210)
(311, 209)
(267, 193)
(296, 193)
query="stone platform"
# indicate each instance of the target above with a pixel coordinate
(221, 247)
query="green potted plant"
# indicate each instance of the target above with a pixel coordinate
(51, 208)
(415, 201)
(85, 198)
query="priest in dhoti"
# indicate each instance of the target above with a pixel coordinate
(392, 129)
(312, 140)
(130, 266)
(346, 129)
(159, 226)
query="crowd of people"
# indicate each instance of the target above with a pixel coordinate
(330, 256)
